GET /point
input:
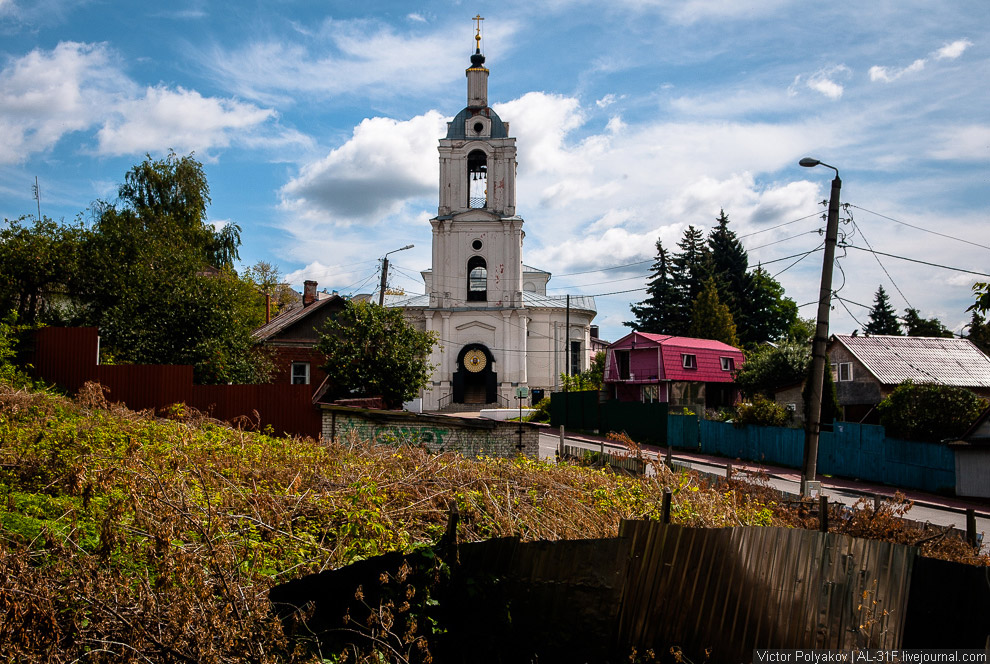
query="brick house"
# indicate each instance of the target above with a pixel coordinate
(293, 334)
(866, 369)
(681, 371)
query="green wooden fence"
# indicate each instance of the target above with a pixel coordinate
(859, 451)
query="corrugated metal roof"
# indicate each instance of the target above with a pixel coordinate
(945, 361)
(669, 340)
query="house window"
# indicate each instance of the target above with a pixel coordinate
(575, 358)
(835, 372)
(845, 371)
(651, 393)
(689, 361)
(728, 363)
(622, 357)
(300, 373)
(477, 279)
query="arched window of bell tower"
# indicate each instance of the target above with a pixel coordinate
(477, 281)
(477, 179)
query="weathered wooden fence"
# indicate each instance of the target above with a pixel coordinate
(730, 590)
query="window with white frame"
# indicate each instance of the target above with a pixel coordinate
(835, 372)
(845, 371)
(689, 361)
(651, 393)
(300, 373)
(728, 363)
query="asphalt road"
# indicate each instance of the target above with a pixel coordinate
(933, 509)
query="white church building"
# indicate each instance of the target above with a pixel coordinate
(498, 328)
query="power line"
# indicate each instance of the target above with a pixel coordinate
(882, 266)
(786, 223)
(915, 260)
(904, 223)
(770, 244)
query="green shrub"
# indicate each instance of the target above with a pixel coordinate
(763, 412)
(542, 413)
(926, 411)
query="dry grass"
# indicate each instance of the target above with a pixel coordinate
(129, 538)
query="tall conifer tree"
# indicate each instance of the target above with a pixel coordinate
(654, 313)
(710, 318)
(689, 269)
(883, 319)
(729, 265)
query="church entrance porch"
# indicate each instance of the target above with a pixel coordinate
(475, 380)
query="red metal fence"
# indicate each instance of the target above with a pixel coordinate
(67, 357)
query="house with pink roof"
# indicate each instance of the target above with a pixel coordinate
(681, 371)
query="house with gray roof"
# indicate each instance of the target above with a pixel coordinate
(867, 368)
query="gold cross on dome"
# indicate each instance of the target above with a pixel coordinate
(477, 34)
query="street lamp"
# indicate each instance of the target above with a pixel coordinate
(818, 360)
(381, 295)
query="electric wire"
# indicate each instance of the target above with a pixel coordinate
(879, 262)
(904, 223)
(915, 260)
(786, 223)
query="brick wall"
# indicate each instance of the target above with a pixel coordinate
(471, 437)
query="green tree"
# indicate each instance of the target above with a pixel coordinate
(38, 263)
(149, 277)
(710, 319)
(979, 332)
(372, 351)
(690, 267)
(591, 378)
(770, 316)
(917, 326)
(981, 290)
(655, 313)
(767, 368)
(883, 319)
(268, 280)
(729, 265)
(926, 411)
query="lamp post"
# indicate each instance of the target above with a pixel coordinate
(818, 360)
(381, 294)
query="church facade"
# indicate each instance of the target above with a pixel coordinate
(497, 327)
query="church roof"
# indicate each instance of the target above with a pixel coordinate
(456, 127)
(530, 299)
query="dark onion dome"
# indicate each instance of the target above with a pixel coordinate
(457, 124)
(477, 60)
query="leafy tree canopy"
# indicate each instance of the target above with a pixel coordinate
(926, 411)
(769, 315)
(372, 350)
(883, 319)
(710, 319)
(924, 327)
(768, 368)
(979, 332)
(38, 262)
(148, 277)
(268, 280)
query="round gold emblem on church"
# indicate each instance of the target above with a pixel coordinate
(475, 360)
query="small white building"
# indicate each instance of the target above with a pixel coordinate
(497, 326)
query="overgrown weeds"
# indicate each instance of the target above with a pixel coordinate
(126, 537)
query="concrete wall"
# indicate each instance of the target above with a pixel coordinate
(470, 437)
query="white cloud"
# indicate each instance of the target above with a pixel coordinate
(46, 95)
(372, 175)
(615, 125)
(822, 81)
(416, 18)
(948, 52)
(965, 143)
(180, 119)
(606, 101)
(343, 57)
(953, 50)
(888, 74)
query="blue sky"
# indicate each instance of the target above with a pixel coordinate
(318, 125)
